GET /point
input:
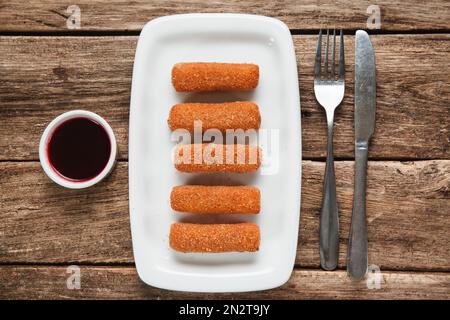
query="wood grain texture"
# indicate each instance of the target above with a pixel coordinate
(407, 208)
(49, 282)
(407, 202)
(413, 106)
(47, 223)
(119, 15)
(45, 76)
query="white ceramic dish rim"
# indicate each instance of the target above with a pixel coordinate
(219, 285)
(43, 157)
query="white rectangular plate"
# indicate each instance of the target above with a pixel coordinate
(214, 38)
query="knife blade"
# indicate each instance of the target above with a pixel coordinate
(365, 88)
(365, 106)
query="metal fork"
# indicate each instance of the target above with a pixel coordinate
(329, 92)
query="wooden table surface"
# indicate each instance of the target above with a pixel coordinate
(47, 69)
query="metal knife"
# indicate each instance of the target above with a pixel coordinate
(365, 104)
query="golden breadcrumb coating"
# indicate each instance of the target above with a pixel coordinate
(229, 115)
(215, 199)
(213, 76)
(210, 157)
(191, 237)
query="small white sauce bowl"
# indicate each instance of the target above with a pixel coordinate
(45, 139)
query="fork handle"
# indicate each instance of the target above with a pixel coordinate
(329, 221)
(357, 242)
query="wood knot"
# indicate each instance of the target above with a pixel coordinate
(61, 73)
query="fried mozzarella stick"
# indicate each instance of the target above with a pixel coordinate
(229, 115)
(191, 237)
(215, 199)
(213, 76)
(210, 157)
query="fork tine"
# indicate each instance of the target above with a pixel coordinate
(317, 66)
(326, 56)
(341, 58)
(333, 55)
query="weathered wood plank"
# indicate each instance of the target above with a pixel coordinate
(407, 207)
(45, 76)
(50, 282)
(413, 106)
(43, 222)
(120, 15)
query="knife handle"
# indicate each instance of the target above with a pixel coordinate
(329, 220)
(357, 242)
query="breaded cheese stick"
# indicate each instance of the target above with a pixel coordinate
(191, 237)
(213, 76)
(229, 115)
(210, 157)
(215, 199)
